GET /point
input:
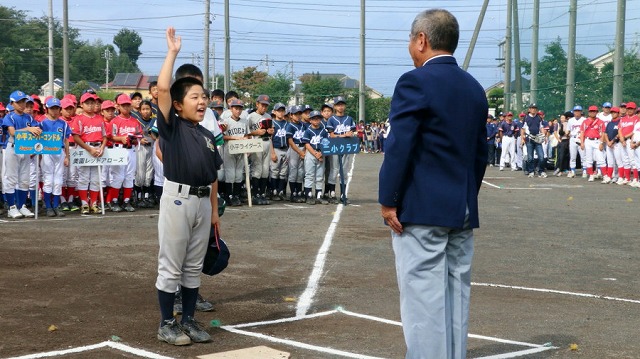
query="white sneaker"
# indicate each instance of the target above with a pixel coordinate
(543, 175)
(571, 175)
(26, 212)
(584, 174)
(501, 168)
(620, 181)
(14, 213)
(634, 183)
(531, 175)
(598, 176)
(606, 179)
(591, 178)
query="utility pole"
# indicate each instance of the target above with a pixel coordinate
(214, 80)
(361, 114)
(534, 51)
(51, 58)
(65, 46)
(569, 99)
(516, 56)
(107, 56)
(618, 54)
(207, 22)
(474, 38)
(227, 49)
(266, 64)
(507, 59)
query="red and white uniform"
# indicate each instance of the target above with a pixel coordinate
(591, 131)
(70, 177)
(107, 175)
(91, 131)
(123, 176)
(625, 130)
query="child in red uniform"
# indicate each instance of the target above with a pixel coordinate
(126, 133)
(70, 178)
(89, 133)
(108, 111)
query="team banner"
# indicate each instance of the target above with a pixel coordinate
(245, 146)
(48, 143)
(340, 146)
(111, 156)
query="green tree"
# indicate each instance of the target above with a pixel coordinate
(278, 87)
(631, 77)
(317, 90)
(246, 82)
(28, 83)
(496, 99)
(377, 109)
(129, 42)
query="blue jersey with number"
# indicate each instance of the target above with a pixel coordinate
(59, 125)
(340, 124)
(295, 131)
(279, 138)
(314, 136)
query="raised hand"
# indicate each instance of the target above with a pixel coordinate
(173, 43)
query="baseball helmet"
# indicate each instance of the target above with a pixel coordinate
(217, 257)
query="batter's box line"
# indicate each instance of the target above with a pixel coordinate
(107, 344)
(533, 348)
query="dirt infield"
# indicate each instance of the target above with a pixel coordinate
(93, 277)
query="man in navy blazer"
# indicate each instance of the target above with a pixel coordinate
(435, 159)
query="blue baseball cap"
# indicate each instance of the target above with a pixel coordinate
(19, 96)
(606, 104)
(315, 114)
(338, 99)
(53, 102)
(306, 107)
(327, 105)
(577, 108)
(279, 106)
(9, 108)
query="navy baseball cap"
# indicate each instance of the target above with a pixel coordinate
(533, 105)
(325, 105)
(606, 104)
(338, 99)
(577, 108)
(53, 102)
(315, 114)
(296, 109)
(306, 108)
(19, 96)
(279, 106)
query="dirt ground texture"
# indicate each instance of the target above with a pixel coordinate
(93, 277)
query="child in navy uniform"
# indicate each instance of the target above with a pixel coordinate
(313, 160)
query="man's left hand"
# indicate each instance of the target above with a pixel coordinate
(391, 217)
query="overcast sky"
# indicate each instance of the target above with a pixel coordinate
(325, 37)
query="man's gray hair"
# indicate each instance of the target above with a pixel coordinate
(440, 27)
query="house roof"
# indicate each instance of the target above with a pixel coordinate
(134, 80)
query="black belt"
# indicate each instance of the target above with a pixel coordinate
(300, 144)
(146, 144)
(593, 138)
(94, 143)
(283, 148)
(202, 191)
(508, 135)
(265, 138)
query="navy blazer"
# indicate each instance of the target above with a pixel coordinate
(436, 151)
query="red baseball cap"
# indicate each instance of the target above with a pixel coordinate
(593, 108)
(67, 102)
(521, 114)
(108, 104)
(72, 98)
(2, 108)
(88, 95)
(124, 99)
(631, 105)
(509, 114)
(615, 109)
(541, 113)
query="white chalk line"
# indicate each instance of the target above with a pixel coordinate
(107, 344)
(490, 184)
(305, 300)
(283, 320)
(553, 291)
(518, 353)
(301, 345)
(475, 336)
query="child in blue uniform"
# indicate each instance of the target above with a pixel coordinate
(313, 160)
